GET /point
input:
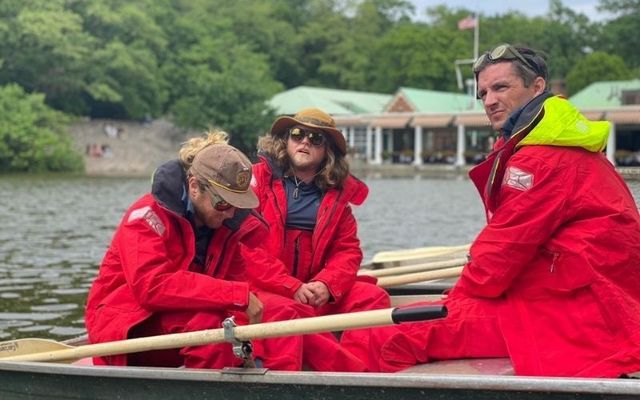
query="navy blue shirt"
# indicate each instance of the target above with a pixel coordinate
(302, 207)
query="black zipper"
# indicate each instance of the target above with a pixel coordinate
(296, 256)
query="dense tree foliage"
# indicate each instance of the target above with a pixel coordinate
(210, 63)
(33, 137)
(601, 65)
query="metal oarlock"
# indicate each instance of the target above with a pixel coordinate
(242, 350)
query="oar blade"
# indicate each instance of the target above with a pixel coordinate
(30, 346)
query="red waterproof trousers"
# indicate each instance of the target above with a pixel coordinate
(276, 353)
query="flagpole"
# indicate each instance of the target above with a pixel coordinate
(476, 45)
(476, 37)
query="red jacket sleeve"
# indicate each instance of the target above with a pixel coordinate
(344, 257)
(268, 273)
(161, 281)
(525, 219)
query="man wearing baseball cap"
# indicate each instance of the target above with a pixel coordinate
(175, 263)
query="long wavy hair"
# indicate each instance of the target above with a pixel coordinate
(333, 172)
(192, 146)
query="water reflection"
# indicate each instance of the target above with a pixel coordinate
(55, 231)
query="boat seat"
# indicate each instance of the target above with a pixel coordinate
(475, 366)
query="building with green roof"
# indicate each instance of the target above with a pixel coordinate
(607, 94)
(418, 125)
(333, 101)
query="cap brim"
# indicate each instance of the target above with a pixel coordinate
(281, 125)
(247, 199)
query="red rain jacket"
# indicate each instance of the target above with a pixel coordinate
(336, 254)
(560, 255)
(148, 268)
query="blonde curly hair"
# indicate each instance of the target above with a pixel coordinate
(192, 146)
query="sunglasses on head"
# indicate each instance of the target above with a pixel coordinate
(315, 138)
(218, 203)
(504, 52)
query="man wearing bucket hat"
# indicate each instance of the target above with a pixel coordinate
(553, 281)
(176, 264)
(306, 192)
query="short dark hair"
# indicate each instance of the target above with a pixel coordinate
(536, 65)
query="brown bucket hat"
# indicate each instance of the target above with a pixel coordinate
(228, 172)
(311, 118)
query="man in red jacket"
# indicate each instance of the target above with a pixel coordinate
(306, 192)
(176, 262)
(553, 280)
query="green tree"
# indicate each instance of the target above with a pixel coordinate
(124, 80)
(620, 34)
(44, 49)
(597, 66)
(33, 137)
(218, 82)
(416, 56)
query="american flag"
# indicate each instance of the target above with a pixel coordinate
(469, 22)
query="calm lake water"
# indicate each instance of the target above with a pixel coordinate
(55, 231)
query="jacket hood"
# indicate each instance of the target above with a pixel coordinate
(355, 191)
(168, 186)
(554, 121)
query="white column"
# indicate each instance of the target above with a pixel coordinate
(611, 144)
(460, 147)
(377, 156)
(369, 137)
(417, 145)
(352, 137)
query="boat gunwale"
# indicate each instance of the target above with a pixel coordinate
(370, 379)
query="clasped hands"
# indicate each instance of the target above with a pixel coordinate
(314, 293)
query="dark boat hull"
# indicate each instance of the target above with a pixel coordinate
(58, 381)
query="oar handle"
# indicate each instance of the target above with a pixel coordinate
(421, 313)
(301, 326)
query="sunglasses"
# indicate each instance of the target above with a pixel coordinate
(218, 203)
(315, 138)
(504, 52)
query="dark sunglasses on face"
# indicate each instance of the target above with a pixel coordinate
(503, 52)
(218, 203)
(315, 138)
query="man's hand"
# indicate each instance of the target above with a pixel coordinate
(303, 295)
(320, 293)
(254, 309)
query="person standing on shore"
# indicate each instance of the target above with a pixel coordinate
(306, 191)
(177, 264)
(553, 281)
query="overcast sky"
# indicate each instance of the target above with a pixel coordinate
(527, 7)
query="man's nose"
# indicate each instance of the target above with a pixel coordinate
(489, 99)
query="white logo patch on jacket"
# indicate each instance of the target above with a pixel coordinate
(518, 179)
(150, 217)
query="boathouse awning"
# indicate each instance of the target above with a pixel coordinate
(393, 122)
(593, 115)
(627, 117)
(352, 120)
(432, 121)
(475, 119)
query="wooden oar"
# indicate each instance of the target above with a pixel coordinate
(417, 253)
(414, 268)
(419, 277)
(49, 350)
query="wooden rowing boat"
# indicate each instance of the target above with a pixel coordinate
(461, 379)
(454, 379)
